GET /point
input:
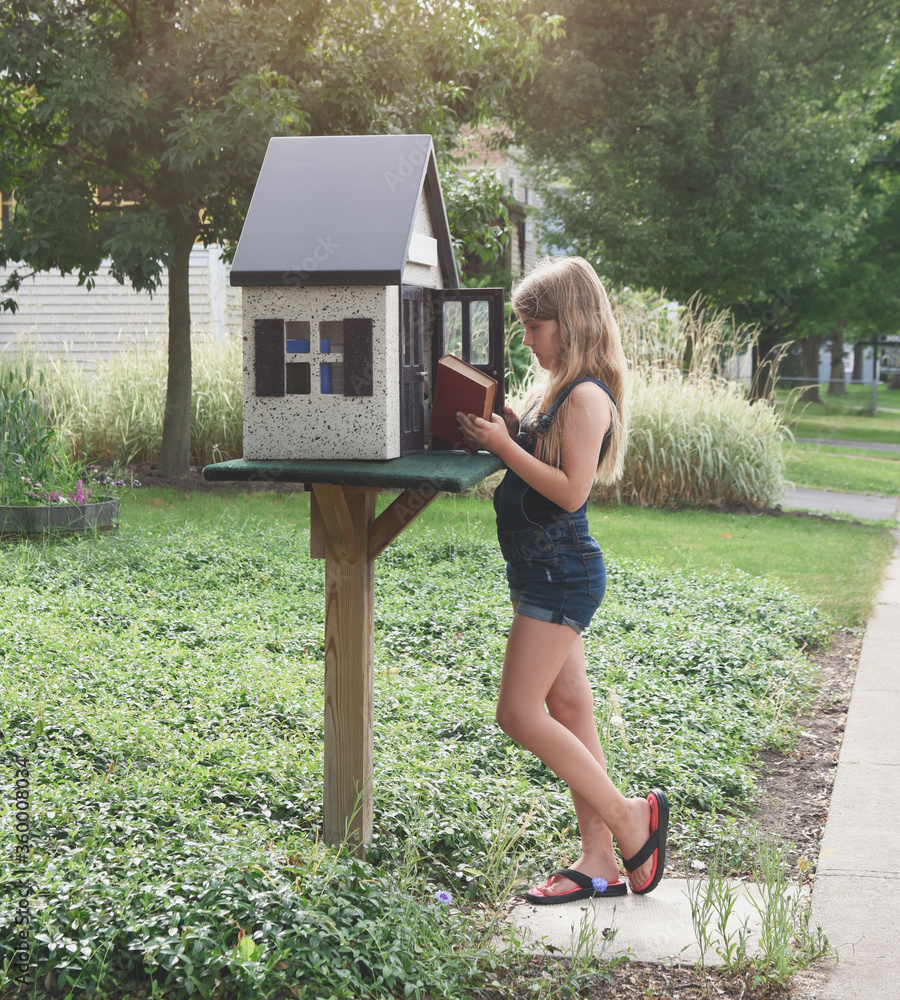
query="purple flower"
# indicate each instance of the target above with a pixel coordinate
(443, 897)
(599, 884)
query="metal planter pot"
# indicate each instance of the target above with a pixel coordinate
(58, 519)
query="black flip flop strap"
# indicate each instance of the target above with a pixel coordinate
(579, 878)
(644, 853)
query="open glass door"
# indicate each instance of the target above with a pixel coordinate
(412, 370)
(468, 322)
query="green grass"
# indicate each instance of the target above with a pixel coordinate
(849, 470)
(845, 418)
(838, 565)
(165, 685)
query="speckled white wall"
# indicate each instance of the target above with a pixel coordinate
(325, 426)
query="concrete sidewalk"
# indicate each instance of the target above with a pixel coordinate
(854, 895)
(871, 507)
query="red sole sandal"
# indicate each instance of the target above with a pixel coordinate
(655, 846)
(587, 891)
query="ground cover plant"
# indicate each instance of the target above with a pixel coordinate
(165, 687)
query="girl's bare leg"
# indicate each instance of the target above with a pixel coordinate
(536, 653)
(570, 701)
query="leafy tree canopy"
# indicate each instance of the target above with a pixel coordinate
(133, 128)
(859, 289)
(708, 144)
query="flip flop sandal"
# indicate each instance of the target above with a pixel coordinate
(655, 846)
(587, 890)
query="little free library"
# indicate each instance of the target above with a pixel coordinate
(350, 297)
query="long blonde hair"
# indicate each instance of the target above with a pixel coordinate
(567, 289)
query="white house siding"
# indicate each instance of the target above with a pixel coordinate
(57, 316)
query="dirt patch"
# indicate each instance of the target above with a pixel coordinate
(795, 790)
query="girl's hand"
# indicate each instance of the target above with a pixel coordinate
(511, 419)
(491, 435)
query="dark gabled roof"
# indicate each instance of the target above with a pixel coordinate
(339, 210)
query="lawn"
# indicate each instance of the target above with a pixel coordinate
(847, 470)
(163, 688)
(847, 417)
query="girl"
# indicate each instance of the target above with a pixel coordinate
(573, 430)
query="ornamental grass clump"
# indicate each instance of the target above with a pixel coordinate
(115, 413)
(698, 440)
(695, 436)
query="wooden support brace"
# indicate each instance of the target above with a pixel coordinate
(404, 509)
(335, 515)
(317, 536)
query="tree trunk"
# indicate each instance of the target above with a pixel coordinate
(837, 386)
(858, 349)
(809, 353)
(175, 457)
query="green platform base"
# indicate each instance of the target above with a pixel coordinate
(445, 471)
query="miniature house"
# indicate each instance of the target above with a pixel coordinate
(349, 297)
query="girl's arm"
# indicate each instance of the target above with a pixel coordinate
(587, 421)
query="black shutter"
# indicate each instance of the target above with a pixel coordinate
(269, 347)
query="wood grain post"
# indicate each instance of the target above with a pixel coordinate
(349, 671)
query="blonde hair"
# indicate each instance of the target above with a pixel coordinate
(567, 289)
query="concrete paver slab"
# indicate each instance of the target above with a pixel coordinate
(879, 660)
(652, 928)
(865, 811)
(856, 917)
(875, 713)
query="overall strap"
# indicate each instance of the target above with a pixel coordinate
(542, 424)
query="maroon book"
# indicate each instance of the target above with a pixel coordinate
(459, 388)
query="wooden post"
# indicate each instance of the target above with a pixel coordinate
(349, 663)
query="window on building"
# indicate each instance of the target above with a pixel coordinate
(296, 370)
(286, 361)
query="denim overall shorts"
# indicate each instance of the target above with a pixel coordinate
(554, 566)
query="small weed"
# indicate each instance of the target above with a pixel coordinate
(786, 943)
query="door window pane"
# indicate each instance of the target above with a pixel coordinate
(479, 320)
(453, 328)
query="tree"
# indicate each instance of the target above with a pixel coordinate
(707, 144)
(856, 294)
(134, 128)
